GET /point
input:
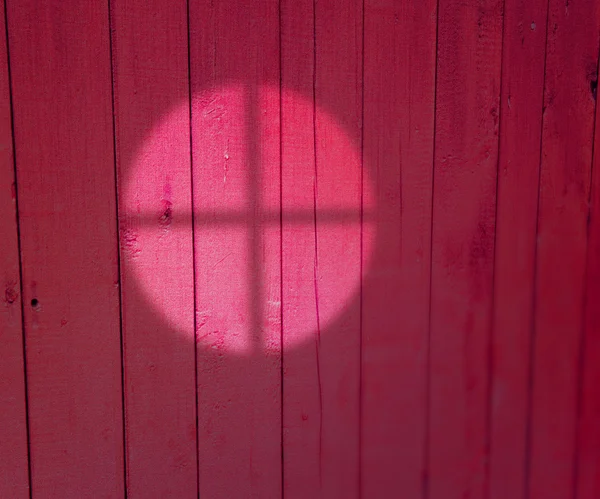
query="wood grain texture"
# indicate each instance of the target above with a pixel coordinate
(567, 135)
(588, 443)
(464, 197)
(302, 396)
(236, 158)
(61, 84)
(359, 249)
(322, 173)
(523, 56)
(154, 177)
(14, 479)
(398, 154)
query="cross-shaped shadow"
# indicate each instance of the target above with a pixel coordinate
(233, 380)
(289, 402)
(254, 218)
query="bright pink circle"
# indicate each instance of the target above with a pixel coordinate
(236, 204)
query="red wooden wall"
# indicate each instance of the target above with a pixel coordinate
(301, 249)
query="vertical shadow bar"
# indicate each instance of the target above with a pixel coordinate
(254, 164)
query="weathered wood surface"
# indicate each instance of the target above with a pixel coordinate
(63, 132)
(14, 479)
(300, 249)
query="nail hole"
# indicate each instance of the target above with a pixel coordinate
(594, 88)
(35, 302)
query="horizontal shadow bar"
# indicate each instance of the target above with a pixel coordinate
(248, 218)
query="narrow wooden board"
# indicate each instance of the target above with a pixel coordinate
(588, 455)
(398, 155)
(61, 83)
(321, 254)
(150, 58)
(523, 55)
(236, 181)
(302, 398)
(464, 199)
(14, 479)
(568, 124)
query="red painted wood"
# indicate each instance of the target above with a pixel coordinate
(14, 479)
(588, 455)
(466, 145)
(154, 176)
(398, 144)
(321, 173)
(520, 134)
(571, 62)
(236, 165)
(278, 255)
(60, 68)
(302, 414)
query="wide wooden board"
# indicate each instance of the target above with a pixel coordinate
(151, 93)
(523, 56)
(60, 66)
(399, 97)
(464, 204)
(566, 160)
(322, 176)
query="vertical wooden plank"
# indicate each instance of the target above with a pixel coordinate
(322, 177)
(302, 415)
(236, 179)
(520, 135)
(150, 56)
(567, 135)
(466, 145)
(588, 456)
(14, 479)
(398, 155)
(61, 84)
